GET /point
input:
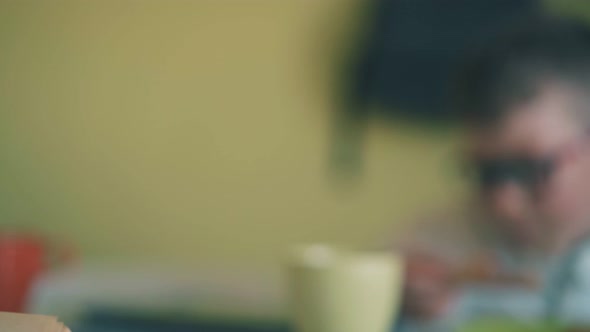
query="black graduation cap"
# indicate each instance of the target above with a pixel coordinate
(413, 48)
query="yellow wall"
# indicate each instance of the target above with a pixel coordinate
(192, 130)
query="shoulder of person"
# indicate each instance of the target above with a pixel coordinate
(581, 270)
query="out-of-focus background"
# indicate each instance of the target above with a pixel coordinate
(198, 133)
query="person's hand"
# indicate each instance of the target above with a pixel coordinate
(429, 287)
(485, 268)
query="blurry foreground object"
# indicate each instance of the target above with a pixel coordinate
(342, 291)
(153, 296)
(23, 259)
(12, 322)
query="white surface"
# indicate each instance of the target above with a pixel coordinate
(237, 292)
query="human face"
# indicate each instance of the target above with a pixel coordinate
(533, 166)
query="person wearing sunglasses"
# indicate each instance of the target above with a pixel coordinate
(524, 250)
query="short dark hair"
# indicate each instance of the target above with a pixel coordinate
(510, 69)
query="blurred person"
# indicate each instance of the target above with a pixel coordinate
(523, 248)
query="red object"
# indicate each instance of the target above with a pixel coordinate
(23, 258)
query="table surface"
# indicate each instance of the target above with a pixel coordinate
(109, 321)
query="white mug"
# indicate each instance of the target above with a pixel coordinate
(334, 290)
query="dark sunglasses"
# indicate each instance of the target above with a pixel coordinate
(527, 172)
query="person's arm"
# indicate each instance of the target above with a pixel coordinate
(433, 248)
